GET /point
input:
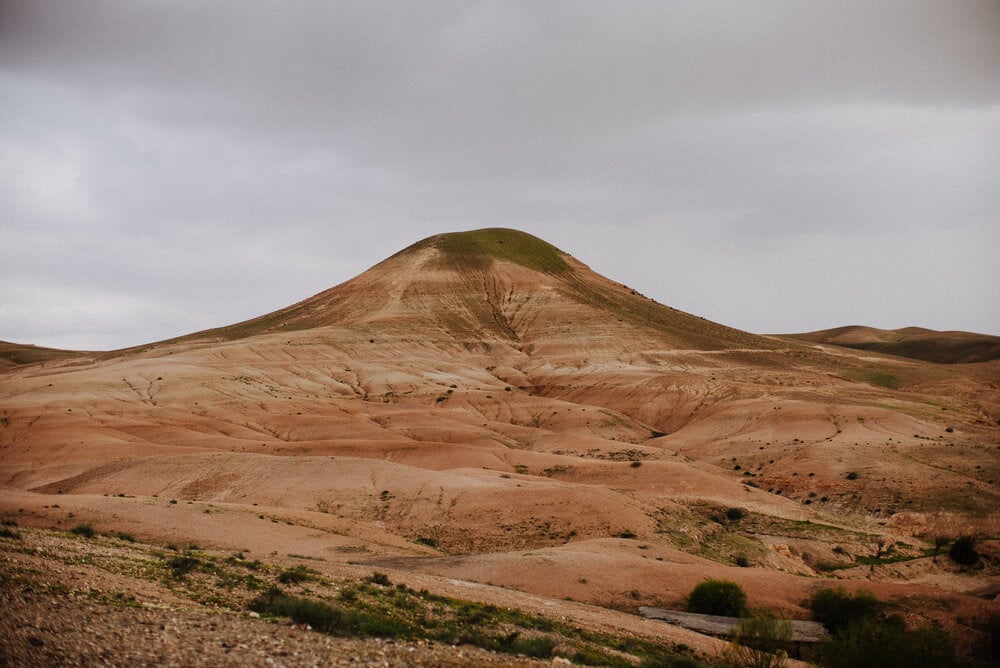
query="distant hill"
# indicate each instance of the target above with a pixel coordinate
(16, 354)
(915, 342)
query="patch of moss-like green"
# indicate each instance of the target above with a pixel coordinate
(478, 249)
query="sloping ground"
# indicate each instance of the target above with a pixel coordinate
(914, 342)
(504, 415)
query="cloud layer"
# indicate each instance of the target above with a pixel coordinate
(171, 166)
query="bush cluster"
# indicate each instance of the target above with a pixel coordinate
(863, 636)
(717, 597)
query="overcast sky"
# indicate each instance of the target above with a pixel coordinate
(169, 166)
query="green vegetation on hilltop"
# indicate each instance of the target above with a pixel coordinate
(477, 249)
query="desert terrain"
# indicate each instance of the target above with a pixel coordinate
(484, 417)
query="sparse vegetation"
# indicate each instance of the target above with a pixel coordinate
(369, 609)
(9, 532)
(84, 530)
(477, 249)
(881, 379)
(380, 579)
(885, 642)
(862, 635)
(182, 564)
(759, 642)
(835, 608)
(297, 574)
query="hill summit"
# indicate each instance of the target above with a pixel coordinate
(490, 285)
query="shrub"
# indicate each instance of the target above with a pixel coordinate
(717, 597)
(759, 642)
(296, 574)
(84, 530)
(853, 475)
(836, 609)
(380, 579)
(329, 618)
(7, 532)
(539, 647)
(885, 642)
(182, 564)
(319, 615)
(963, 551)
(735, 514)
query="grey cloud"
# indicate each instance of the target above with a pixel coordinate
(223, 159)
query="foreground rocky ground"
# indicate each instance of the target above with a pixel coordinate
(78, 600)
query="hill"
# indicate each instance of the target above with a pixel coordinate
(15, 354)
(481, 408)
(492, 284)
(914, 342)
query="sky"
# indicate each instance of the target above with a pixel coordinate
(169, 166)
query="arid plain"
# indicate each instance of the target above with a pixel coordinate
(483, 416)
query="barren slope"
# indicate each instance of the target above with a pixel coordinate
(485, 401)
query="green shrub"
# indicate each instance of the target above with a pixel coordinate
(885, 642)
(963, 551)
(836, 608)
(321, 616)
(735, 514)
(380, 579)
(182, 564)
(296, 574)
(539, 647)
(666, 661)
(329, 618)
(717, 597)
(84, 530)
